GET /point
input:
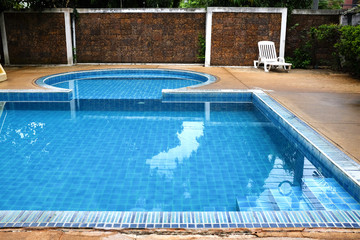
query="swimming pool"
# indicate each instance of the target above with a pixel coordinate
(192, 159)
(124, 83)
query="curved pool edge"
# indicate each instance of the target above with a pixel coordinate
(43, 82)
(339, 163)
(55, 94)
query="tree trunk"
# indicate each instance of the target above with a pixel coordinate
(176, 3)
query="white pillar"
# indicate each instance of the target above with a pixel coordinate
(74, 39)
(207, 111)
(4, 39)
(283, 33)
(69, 48)
(208, 37)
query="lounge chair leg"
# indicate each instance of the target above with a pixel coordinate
(256, 64)
(267, 67)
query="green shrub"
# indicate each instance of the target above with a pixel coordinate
(330, 4)
(323, 39)
(302, 57)
(342, 41)
(348, 47)
(202, 46)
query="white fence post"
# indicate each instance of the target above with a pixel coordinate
(4, 39)
(211, 10)
(208, 36)
(69, 46)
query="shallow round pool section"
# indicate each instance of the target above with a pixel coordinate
(124, 83)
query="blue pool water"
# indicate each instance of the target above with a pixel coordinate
(120, 88)
(147, 155)
(121, 83)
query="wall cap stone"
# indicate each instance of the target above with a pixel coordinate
(114, 10)
(316, 12)
(47, 10)
(141, 10)
(246, 9)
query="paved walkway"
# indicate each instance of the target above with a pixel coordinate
(180, 234)
(327, 101)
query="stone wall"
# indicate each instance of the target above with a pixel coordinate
(235, 36)
(154, 35)
(351, 17)
(2, 51)
(300, 22)
(139, 37)
(36, 38)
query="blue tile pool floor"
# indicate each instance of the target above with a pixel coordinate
(144, 155)
(145, 88)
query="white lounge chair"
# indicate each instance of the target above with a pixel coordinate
(267, 56)
(3, 76)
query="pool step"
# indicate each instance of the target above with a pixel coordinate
(314, 193)
(291, 200)
(311, 198)
(263, 202)
(331, 194)
(309, 170)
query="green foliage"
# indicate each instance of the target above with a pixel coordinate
(302, 57)
(158, 3)
(348, 47)
(12, 4)
(291, 4)
(330, 4)
(325, 32)
(202, 47)
(343, 42)
(315, 42)
(35, 4)
(323, 38)
(195, 3)
(41, 4)
(74, 55)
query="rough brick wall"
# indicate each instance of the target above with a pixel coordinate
(235, 36)
(2, 51)
(297, 27)
(36, 38)
(139, 37)
(39, 38)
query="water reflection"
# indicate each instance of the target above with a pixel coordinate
(237, 156)
(21, 139)
(284, 188)
(166, 162)
(27, 133)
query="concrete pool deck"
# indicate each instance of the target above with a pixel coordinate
(327, 101)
